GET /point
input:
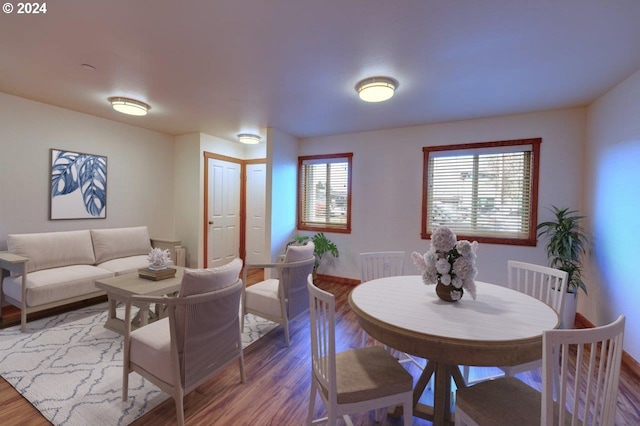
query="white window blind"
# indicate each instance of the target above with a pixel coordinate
(484, 191)
(324, 192)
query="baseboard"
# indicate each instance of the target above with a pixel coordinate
(341, 280)
(627, 360)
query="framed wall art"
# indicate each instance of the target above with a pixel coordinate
(78, 185)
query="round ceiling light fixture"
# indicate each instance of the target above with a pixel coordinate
(129, 106)
(376, 89)
(248, 138)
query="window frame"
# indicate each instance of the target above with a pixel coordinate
(325, 227)
(530, 240)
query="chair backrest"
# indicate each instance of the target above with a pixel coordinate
(590, 393)
(322, 312)
(542, 282)
(298, 264)
(206, 323)
(381, 264)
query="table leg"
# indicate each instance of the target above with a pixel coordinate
(144, 314)
(112, 307)
(440, 413)
(442, 394)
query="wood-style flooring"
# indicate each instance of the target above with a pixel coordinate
(277, 388)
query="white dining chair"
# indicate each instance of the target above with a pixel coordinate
(353, 381)
(589, 363)
(374, 265)
(545, 284)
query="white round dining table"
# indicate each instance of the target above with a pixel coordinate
(501, 327)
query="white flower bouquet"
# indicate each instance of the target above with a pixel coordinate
(449, 262)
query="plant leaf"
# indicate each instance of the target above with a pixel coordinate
(93, 184)
(64, 173)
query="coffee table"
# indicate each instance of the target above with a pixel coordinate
(121, 288)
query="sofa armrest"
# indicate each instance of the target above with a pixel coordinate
(178, 253)
(13, 262)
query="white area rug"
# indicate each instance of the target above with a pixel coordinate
(70, 368)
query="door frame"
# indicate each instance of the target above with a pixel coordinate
(243, 202)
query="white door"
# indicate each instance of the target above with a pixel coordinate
(255, 225)
(223, 209)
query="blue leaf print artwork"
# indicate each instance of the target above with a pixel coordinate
(72, 171)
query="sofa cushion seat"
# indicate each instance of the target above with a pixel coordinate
(125, 265)
(52, 285)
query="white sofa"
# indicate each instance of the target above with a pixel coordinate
(46, 270)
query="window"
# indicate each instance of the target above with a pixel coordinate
(324, 193)
(486, 191)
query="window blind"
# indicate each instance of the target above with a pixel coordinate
(324, 192)
(487, 192)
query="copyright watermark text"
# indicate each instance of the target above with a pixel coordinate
(25, 8)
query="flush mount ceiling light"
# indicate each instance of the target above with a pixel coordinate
(129, 106)
(376, 89)
(249, 138)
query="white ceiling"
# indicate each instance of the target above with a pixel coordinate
(223, 67)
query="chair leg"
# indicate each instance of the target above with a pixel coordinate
(243, 377)
(312, 403)
(286, 331)
(407, 418)
(180, 408)
(125, 384)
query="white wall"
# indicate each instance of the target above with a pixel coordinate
(613, 199)
(140, 169)
(387, 183)
(282, 165)
(188, 195)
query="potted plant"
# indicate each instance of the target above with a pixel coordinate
(566, 244)
(322, 246)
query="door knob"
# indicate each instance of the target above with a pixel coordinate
(210, 222)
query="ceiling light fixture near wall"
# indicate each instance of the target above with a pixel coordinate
(376, 89)
(129, 106)
(249, 138)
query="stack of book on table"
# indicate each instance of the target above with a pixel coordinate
(161, 274)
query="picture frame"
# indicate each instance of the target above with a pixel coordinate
(78, 185)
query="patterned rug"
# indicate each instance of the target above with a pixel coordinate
(70, 368)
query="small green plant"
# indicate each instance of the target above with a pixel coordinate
(566, 244)
(322, 245)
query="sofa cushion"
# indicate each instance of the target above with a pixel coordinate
(116, 243)
(53, 249)
(52, 285)
(125, 265)
(151, 347)
(263, 297)
(197, 281)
